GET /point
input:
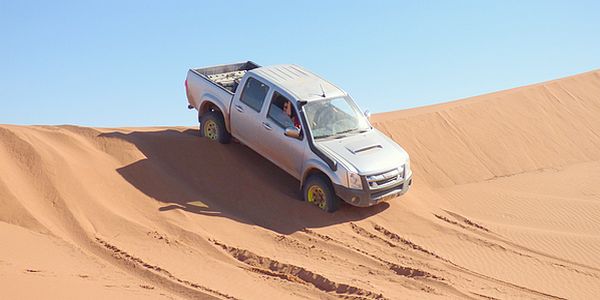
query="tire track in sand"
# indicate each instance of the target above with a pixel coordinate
(159, 274)
(395, 237)
(270, 267)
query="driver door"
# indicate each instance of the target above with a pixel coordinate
(286, 152)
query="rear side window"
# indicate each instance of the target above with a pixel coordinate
(254, 93)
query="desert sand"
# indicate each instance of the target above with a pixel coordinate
(505, 204)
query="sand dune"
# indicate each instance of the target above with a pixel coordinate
(506, 204)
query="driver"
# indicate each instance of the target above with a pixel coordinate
(287, 108)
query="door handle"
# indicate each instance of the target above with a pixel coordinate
(267, 126)
(239, 108)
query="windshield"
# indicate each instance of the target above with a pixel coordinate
(334, 117)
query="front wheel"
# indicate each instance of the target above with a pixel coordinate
(318, 191)
(212, 126)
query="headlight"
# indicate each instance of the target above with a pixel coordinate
(354, 181)
(401, 170)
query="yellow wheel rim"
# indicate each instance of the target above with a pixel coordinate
(316, 196)
(210, 130)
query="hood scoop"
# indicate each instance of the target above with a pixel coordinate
(359, 147)
(369, 153)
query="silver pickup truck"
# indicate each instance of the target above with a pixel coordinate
(305, 125)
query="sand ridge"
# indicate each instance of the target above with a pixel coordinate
(506, 204)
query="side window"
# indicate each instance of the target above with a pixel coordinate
(282, 112)
(254, 93)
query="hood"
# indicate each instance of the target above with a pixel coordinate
(368, 153)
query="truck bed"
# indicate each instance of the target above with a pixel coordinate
(226, 76)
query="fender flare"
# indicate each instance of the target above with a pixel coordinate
(317, 166)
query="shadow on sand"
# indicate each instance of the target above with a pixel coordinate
(196, 175)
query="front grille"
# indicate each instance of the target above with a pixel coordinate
(385, 179)
(383, 182)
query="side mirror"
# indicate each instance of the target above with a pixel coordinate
(292, 132)
(367, 114)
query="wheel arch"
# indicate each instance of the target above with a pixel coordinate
(207, 106)
(314, 171)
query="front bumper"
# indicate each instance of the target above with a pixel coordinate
(367, 197)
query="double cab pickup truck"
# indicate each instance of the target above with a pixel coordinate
(305, 125)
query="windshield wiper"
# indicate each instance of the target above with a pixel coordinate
(343, 133)
(323, 136)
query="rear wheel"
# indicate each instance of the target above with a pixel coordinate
(212, 126)
(318, 191)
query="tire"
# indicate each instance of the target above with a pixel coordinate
(318, 191)
(212, 126)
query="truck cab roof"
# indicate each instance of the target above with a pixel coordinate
(301, 83)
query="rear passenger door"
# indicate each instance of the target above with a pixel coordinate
(246, 111)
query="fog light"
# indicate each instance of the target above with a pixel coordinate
(355, 200)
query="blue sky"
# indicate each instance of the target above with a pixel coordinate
(123, 63)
